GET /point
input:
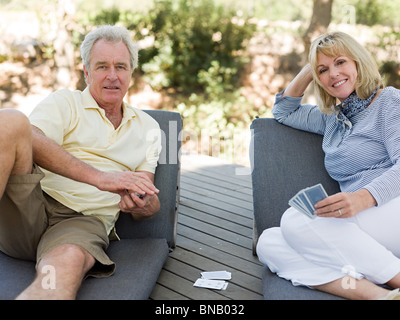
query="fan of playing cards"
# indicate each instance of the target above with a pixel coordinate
(305, 199)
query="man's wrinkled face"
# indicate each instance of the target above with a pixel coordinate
(109, 73)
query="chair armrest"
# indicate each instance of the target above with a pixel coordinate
(166, 179)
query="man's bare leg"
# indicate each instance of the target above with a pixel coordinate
(69, 263)
(15, 145)
(59, 274)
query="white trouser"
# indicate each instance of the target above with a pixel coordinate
(317, 251)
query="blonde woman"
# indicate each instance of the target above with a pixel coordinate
(353, 246)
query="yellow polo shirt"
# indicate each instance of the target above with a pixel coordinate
(75, 121)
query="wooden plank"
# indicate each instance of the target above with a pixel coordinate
(191, 273)
(195, 207)
(215, 228)
(231, 196)
(215, 231)
(223, 185)
(219, 244)
(217, 168)
(216, 203)
(214, 195)
(205, 263)
(218, 221)
(162, 293)
(217, 173)
(185, 287)
(200, 205)
(220, 258)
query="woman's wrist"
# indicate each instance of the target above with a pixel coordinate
(300, 83)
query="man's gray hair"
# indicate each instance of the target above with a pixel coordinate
(113, 34)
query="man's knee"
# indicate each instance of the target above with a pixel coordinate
(15, 142)
(14, 124)
(12, 116)
(71, 255)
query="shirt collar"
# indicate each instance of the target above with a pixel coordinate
(88, 102)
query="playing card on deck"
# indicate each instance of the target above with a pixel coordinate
(211, 284)
(305, 199)
(216, 275)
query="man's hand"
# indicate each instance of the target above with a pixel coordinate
(119, 182)
(139, 208)
(137, 191)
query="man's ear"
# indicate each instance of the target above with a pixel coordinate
(86, 73)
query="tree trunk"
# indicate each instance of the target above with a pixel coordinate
(63, 48)
(320, 20)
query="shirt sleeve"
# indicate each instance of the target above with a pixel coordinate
(387, 186)
(53, 116)
(306, 117)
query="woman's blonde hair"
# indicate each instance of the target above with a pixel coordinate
(341, 44)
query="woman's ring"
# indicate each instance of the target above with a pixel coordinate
(340, 213)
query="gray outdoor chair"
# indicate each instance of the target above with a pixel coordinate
(144, 246)
(284, 160)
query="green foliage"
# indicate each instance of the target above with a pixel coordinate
(389, 41)
(197, 57)
(189, 37)
(368, 12)
(220, 110)
(197, 54)
(110, 16)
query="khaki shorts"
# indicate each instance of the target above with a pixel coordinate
(32, 224)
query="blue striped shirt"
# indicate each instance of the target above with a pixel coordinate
(363, 152)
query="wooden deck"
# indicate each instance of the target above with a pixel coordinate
(215, 228)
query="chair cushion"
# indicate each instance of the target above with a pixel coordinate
(15, 276)
(139, 263)
(275, 288)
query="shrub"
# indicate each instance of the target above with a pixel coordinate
(196, 56)
(189, 36)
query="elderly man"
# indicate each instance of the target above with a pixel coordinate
(68, 172)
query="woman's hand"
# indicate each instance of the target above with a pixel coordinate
(344, 205)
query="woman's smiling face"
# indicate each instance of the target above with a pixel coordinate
(338, 75)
